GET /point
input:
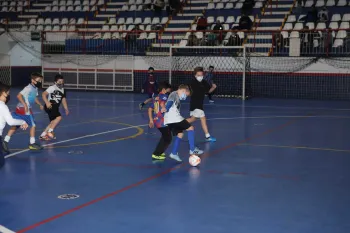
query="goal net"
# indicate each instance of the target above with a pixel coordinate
(231, 66)
(5, 69)
(90, 72)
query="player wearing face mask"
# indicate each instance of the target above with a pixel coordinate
(199, 88)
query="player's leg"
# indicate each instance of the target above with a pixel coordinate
(32, 142)
(12, 130)
(199, 113)
(210, 94)
(160, 148)
(148, 100)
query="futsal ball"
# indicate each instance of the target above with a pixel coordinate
(194, 160)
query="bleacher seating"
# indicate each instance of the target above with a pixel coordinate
(113, 19)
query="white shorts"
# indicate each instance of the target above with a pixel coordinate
(197, 113)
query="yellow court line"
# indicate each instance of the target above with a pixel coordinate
(297, 147)
(139, 132)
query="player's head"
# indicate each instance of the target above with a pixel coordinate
(36, 79)
(164, 87)
(59, 80)
(199, 73)
(183, 91)
(151, 70)
(211, 68)
(4, 92)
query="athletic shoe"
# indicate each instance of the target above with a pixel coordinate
(140, 106)
(5, 147)
(211, 139)
(51, 135)
(211, 101)
(196, 151)
(35, 146)
(175, 157)
(159, 157)
(44, 138)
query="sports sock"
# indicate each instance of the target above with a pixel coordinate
(32, 140)
(191, 139)
(43, 134)
(207, 135)
(7, 138)
(50, 130)
(176, 146)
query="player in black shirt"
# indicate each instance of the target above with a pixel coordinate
(199, 88)
(53, 97)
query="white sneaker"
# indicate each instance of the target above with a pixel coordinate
(211, 101)
(196, 151)
(175, 157)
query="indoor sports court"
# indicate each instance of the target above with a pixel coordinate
(277, 166)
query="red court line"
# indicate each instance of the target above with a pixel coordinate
(264, 133)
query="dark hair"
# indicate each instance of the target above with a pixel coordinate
(211, 67)
(198, 69)
(4, 88)
(163, 85)
(58, 76)
(35, 75)
(151, 68)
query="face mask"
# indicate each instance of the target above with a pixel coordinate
(199, 78)
(7, 99)
(38, 84)
(183, 96)
(60, 85)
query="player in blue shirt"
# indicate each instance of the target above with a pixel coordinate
(156, 119)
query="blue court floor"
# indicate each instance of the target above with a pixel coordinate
(278, 166)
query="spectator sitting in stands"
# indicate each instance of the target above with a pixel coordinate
(192, 40)
(323, 15)
(158, 5)
(133, 35)
(245, 23)
(218, 26)
(202, 24)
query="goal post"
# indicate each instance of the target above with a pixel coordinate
(231, 64)
(5, 69)
(90, 72)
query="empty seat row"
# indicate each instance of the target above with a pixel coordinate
(69, 8)
(141, 2)
(48, 28)
(131, 20)
(11, 9)
(126, 27)
(55, 21)
(78, 3)
(296, 34)
(133, 8)
(320, 26)
(321, 3)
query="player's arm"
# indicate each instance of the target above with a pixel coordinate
(150, 117)
(39, 103)
(65, 105)
(45, 98)
(5, 112)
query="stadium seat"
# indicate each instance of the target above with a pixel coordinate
(56, 28)
(62, 8)
(32, 21)
(291, 19)
(76, 3)
(54, 9)
(321, 26)
(164, 20)
(81, 21)
(129, 20)
(330, 3)
(221, 19)
(311, 25)
(48, 21)
(309, 3)
(133, 8)
(121, 21)
(285, 34)
(86, 3)
(230, 19)
(64, 21)
(40, 28)
(341, 34)
(105, 28)
(239, 5)
(298, 26)
(344, 25)
(137, 21)
(294, 34)
(78, 8)
(155, 20)
(48, 28)
(131, 2)
(40, 21)
(320, 3)
(229, 5)
(211, 6)
(258, 5)
(288, 26)
(210, 20)
(107, 36)
(333, 25)
(219, 6)
(346, 17)
(70, 8)
(336, 17)
(147, 20)
(341, 3)
(139, 2)
(55, 21)
(338, 43)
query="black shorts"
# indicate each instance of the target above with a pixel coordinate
(179, 127)
(54, 112)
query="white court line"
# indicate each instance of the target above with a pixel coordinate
(5, 230)
(130, 127)
(225, 105)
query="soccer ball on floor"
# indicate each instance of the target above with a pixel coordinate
(194, 160)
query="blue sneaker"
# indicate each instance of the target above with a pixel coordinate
(210, 139)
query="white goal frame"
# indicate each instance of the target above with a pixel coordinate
(244, 56)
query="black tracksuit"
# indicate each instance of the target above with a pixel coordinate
(198, 89)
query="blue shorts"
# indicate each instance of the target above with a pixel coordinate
(29, 119)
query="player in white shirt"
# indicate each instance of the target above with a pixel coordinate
(177, 124)
(27, 98)
(6, 117)
(53, 97)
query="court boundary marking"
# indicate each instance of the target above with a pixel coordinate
(167, 171)
(296, 147)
